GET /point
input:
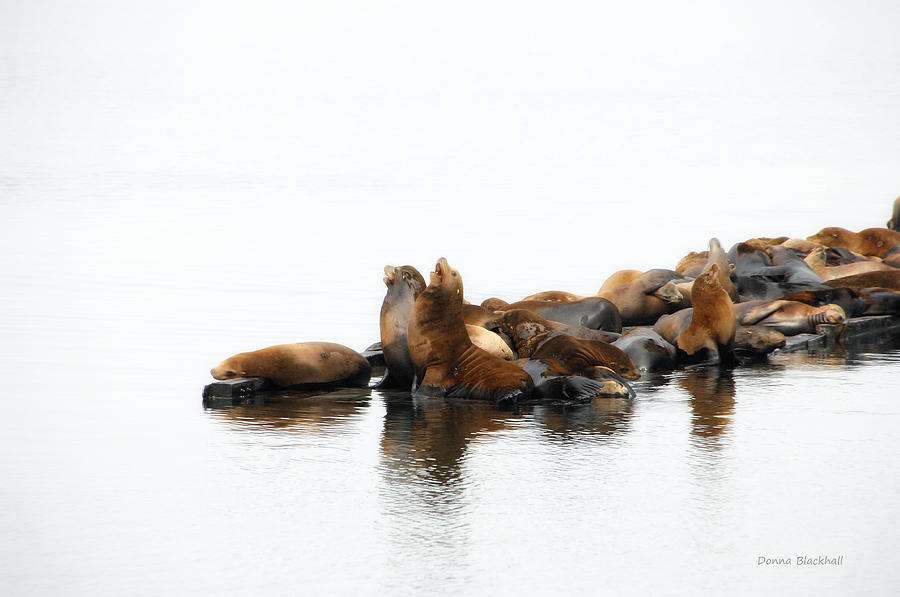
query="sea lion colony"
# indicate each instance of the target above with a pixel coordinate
(714, 308)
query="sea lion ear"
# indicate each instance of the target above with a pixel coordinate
(879, 244)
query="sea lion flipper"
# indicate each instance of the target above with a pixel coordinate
(757, 314)
(581, 389)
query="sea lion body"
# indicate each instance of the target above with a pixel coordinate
(404, 284)
(756, 342)
(894, 222)
(873, 242)
(818, 259)
(445, 360)
(704, 333)
(649, 351)
(592, 312)
(788, 317)
(646, 297)
(577, 356)
(303, 363)
(717, 255)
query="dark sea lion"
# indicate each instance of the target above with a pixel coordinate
(592, 312)
(795, 273)
(649, 351)
(705, 333)
(818, 262)
(756, 342)
(525, 330)
(304, 363)
(886, 279)
(788, 317)
(894, 222)
(445, 360)
(552, 382)
(404, 284)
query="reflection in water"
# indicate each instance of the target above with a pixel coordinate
(289, 409)
(712, 393)
(600, 417)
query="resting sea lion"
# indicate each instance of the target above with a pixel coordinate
(578, 356)
(650, 352)
(871, 241)
(818, 259)
(755, 342)
(444, 359)
(404, 284)
(304, 363)
(788, 317)
(592, 312)
(645, 298)
(704, 333)
(692, 264)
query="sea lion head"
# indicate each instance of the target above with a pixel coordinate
(229, 368)
(405, 274)
(833, 236)
(708, 279)
(446, 278)
(669, 293)
(834, 314)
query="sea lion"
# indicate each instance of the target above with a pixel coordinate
(445, 361)
(788, 317)
(885, 279)
(578, 356)
(649, 351)
(645, 298)
(818, 259)
(704, 333)
(795, 273)
(404, 284)
(552, 382)
(489, 341)
(592, 312)
(524, 330)
(892, 258)
(756, 342)
(870, 242)
(304, 363)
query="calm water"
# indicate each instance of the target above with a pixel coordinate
(183, 181)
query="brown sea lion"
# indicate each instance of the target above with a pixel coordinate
(800, 244)
(704, 333)
(885, 279)
(525, 330)
(577, 356)
(299, 364)
(404, 284)
(788, 317)
(818, 259)
(871, 241)
(645, 298)
(476, 315)
(444, 358)
(494, 304)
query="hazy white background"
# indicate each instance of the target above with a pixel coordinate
(181, 181)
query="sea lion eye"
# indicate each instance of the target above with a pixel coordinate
(454, 273)
(324, 355)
